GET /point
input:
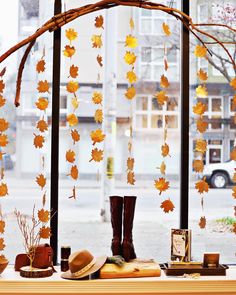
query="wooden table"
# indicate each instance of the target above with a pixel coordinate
(12, 283)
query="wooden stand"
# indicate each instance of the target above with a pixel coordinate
(26, 272)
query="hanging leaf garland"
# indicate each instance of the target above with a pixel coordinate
(72, 88)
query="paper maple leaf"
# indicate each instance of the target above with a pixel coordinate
(161, 97)
(166, 29)
(99, 60)
(130, 93)
(72, 86)
(3, 125)
(233, 103)
(201, 125)
(72, 119)
(2, 86)
(41, 180)
(3, 71)
(3, 140)
(71, 34)
(166, 66)
(42, 103)
(202, 222)
(233, 154)
(131, 77)
(162, 168)
(201, 91)
(70, 156)
(75, 136)
(97, 136)
(97, 97)
(97, 155)
(96, 41)
(69, 51)
(202, 186)
(43, 215)
(131, 23)
(45, 232)
(98, 116)
(201, 146)
(130, 58)
(42, 125)
(2, 245)
(38, 141)
(75, 103)
(161, 184)
(167, 206)
(234, 227)
(74, 71)
(198, 165)
(131, 41)
(165, 150)
(99, 21)
(74, 172)
(233, 83)
(131, 178)
(164, 83)
(202, 75)
(3, 189)
(130, 163)
(40, 66)
(2, 226)
(200, 51)
(200, 108)
(2, 101)
(43, 86)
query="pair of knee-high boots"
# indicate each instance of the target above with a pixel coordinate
(122, 212)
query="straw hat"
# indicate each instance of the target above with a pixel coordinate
(82, 263)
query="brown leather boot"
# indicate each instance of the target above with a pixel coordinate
(116, 208)
(127, 245)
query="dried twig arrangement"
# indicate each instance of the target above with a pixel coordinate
(61, 19)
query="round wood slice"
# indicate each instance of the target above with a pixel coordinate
(26, 272)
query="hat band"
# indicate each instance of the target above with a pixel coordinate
(84, 269)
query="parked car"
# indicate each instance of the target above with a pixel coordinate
(219, 175)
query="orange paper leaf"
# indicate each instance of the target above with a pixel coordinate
(2, 226)
(3, 125)
(2, 86)
(97, 136)
(75, 135)
(131, 77)
(45, 232)
(3, 190)
(42, 125)
(2, 101)
(233, 154)
(40, 66)
(166, 29)
(202, 186)
(234, 192)
(167, 206)
(130, 93)
(70, 156)
(200, 51)
(99, 21)
(164, 83)
(201, 125)
(69, 51)
(165, 150)
(162, 168)
(3, 140)
(131, 178)
(72, 119)
(98, 116)
(202, 222)
(43, 86)
(71, 34)
(73, 71)
(74, 172)
(39, 141)
(161, 97)
(202, 75)
(99, 60)
(97, 97)
(42, 103)
(198, 165)
(161, 184)
(130, 163)
(233, 83)
(200, 108)
(72, 86)
(41, 180)
(43, 215)
(201, 146)
(97, 155)
(2, 245)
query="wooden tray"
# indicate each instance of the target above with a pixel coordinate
(219, 271)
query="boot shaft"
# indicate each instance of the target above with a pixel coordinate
(129, 209)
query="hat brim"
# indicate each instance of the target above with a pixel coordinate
(100, 261)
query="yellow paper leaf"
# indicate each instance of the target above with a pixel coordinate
(72, 119)
(69, 51)
(98, 116)
(43, 215)
(3, 124)
(167, 206)
(131, 77)
(131, 23)
(75, 102)
(74, 71)
(43, 86)
(97, 136)
(2, 226)
(201, 146)
(3, 140)
(201, 91)
(2, 101)
(97, 155)
(233, 83)
(200, 51)
(202, 75)
(71, 34)
(161, 97)
(131, 177)
(202, 126)
(70, 156)
(97, 97)
(3, 190)
(99, 21)
(202, 222)
(161, 184)
(202, 186)
(96, 41)
(130, 93)
(42, 126)
(40, 66)
(41, 180)
(45, 232)
(75, 136)
(164, 83)
(130, 163)
(130, 58)
(165, 150)
(131, 41)
(200, 108)
(198, 165)
(38, 141)
(42, 103)
(72, 86)
(166, 29)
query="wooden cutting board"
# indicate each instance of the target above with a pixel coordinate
(135, 269)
